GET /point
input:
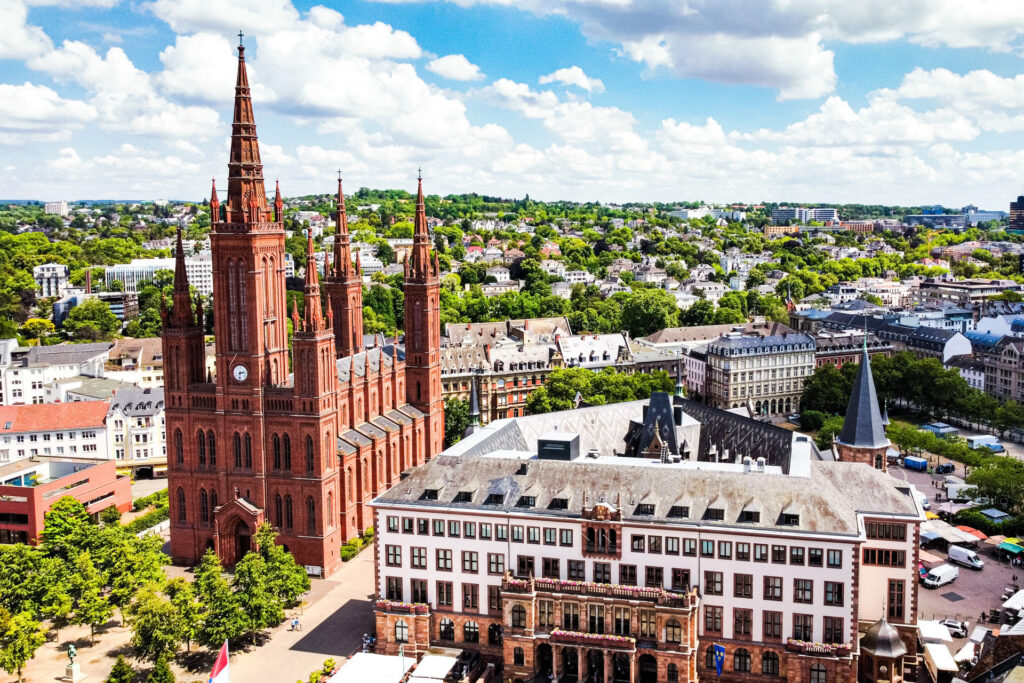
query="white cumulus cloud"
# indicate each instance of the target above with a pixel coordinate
(574, 75)
(455, 68)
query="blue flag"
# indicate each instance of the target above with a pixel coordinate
(719, 657)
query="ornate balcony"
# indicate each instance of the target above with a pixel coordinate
(805, 647)
(593, 639)
(395, 607)
(657, 596)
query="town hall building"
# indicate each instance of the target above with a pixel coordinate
(302, 438)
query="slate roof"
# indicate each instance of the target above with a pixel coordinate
(137, 402)
(62, 354)
(863, 427)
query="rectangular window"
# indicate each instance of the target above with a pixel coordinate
(501, 532)
(743, 585)
(470, 596)
(517, 534)
(577, 570)
(469, 530)
(655, 577)
(803, 591)
(671, 545)
(485, 532)
(393, 524)
(834, 630)
(494, 598)
(550, 535)
(418, 558)
(773, 588)
(796, 555)
(713, 583)
(760, 552)
(524, 565)
(495, 563)
(648, 624)
(439, 527)
(888, 532)
(724, 550)
(772, 625)
(885, 558)
(689, 547)
(550, 568)
(779, 554)
(627, 574)
(637, 545)
(533, 534)
(896, 595)
(565, 537)
(407, 525)
(571, 616)
(803, 627)
(707, 548)
(545, 614)
(742, 623)
(621, 619)
(453, 529)
(423, 527)
(602, 572)
(835, 559)
(680, 579)
(712, 619)
(814, 557)
(743, 552)
(833, 594)
(595, 618)
(654, 544)
(419, 590)
(393, 588)
(469, 562)
(444, 593)
(394, 555)
(444, 560)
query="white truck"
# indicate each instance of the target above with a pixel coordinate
(985, 441)
(957, 490)
(940, 576)
(965, 556)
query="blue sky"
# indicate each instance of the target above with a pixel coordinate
(609, 100)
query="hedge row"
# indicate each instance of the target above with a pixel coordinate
(351, 548)
(151, 499)
(150, 519)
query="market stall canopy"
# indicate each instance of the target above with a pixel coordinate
(368, 666)
(934, 632)
(1011, 548)
(973, 532)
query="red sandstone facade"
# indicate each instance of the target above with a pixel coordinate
(308, 450)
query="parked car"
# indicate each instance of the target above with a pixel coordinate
(957, 629)
(794, 418)
(945, 468)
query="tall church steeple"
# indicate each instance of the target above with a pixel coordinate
(863, 438)
(345, 287)
(247, 197)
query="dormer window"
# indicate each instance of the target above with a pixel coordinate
(463, 497)
(680, 511)
(715, 514)
(494, 499)
(526, 501)
(559, 504)
(429, 494)
(790, 519)
(750, 516)
(645, 509)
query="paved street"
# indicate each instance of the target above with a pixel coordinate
(144, 487)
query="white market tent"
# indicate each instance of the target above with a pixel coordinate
(941, 656)
(368, 666)
(965, 654)
(1016, 601)
(934, 632)
(432, 668)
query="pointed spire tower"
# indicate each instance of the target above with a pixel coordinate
(863, 438)
(247, 197)
(474, 407)
(315, 371)
(680, 389)
(183, 342)
(345, 287)
(423, 331)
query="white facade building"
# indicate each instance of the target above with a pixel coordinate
(66, 430)
(52, 279)
(57, 208)
(26, 372)
(135, 426)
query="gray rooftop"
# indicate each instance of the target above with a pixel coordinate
(863, 427)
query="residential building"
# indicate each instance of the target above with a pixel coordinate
(76, 430)
(774, 230)
(1017, 214)
(764, 372)
(499, 273)
(136, 429)
(804, 215)
(966, 292)
(28, 371)
(304, 447)
(51, 279)
(1004, 369)
(623, 542)
(522, 330)
(971, 368)
(82, 388)
(926, 342)
(57, 209)
(28, 488)
(839, 348)
(138, 361)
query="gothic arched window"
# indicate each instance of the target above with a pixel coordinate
(309, 454)
(310, 516)
(238, 449)
(277, 452)
(182, 517)
(179, 447)
(248, 451)
(211, 446)
(287, 452)
(201, 446)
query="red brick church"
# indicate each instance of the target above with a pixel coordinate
(306, 442)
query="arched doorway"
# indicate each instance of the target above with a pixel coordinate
(647, 666)
(595, 665)
(243, 540)
(621, 669)
(570, 663)
(544, 660)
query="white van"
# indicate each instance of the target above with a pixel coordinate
(940, 576)
(966, 557)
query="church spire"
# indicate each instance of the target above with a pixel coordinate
(214, 203)
(247, 197)
(863, 427)
(181, 316)
(314, 320)
(278, 203)
(474, 407)
(420, 239)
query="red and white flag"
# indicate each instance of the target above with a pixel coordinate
(220, 667)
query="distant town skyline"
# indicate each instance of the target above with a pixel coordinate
(635, 100)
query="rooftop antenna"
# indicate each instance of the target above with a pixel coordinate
(240, 36)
